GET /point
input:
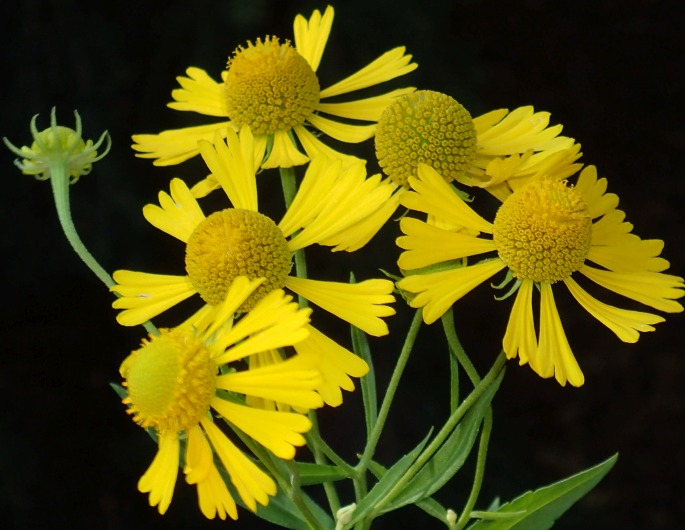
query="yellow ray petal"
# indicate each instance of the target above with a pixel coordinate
(361, 304)
(176, 145)
(274, 322)
(520, 130)
(391, 64)
(437, 291)
(284, 152)
(368, 109)
(315, 148)
(594, 193)
(434, 196)
(654, 289)
(344, 132)
(280, 432)
(311, 35)
(292, 382)
(214, 497)
(145, 295)
(199, 93)
(160, 478)
(336, 364)
(252, 484)
(626, 324)
(199, 457)
(630, 254)
(611, 227)
(210, 322)
(426, 244)
(232, 164)
(554, 353)
(520, 339)
(178, 215)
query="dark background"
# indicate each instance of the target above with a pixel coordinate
(611, 72)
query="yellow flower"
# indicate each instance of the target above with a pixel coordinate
(173, 384)
(273, 88)
(499, 151)
(334, 206)
(544, 233)
(60, 149)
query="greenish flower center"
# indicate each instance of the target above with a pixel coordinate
(270, 87)
(543, 231)
(170, 381)
(428, 127)
(236, 242)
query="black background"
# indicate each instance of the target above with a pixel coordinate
(611, 72)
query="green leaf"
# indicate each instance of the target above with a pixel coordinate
(542, 507)
(449, 459)
(360, 346)
(311, 474)
(385, 484)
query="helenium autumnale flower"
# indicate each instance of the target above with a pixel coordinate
(273, 87)
(545, 233)
(176, 389)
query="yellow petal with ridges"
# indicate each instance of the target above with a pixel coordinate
(519, 338)
(280, 432)
(160, 478)
(214, 497)
(284, 152)
(199, 457)
(311, 35)
(252, 484)
(593, 191)
(344, 132)
(178, 214)
(361, 304)
(630, 254)
(368, 109)
(520, 130)
(315, 148)
(199, 93)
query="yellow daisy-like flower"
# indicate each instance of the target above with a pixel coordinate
(273, 88)
(334, 206)
(545, 232)
(173, 384)
(499, 151)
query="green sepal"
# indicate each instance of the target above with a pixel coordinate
(451, 455)
(537, 510)
(387, 482)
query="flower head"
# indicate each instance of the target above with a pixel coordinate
(334, 206)
(545, 232)
(499, 151)
(174, 384)
(273, 87)
(58, 147)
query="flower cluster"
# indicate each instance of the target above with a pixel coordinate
(229, 393)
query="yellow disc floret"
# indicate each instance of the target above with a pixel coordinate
(270, 87)
(236, 242)
(428, 127)
(543, 231)
(170, 381)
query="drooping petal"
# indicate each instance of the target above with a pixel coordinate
(520, 339)
(316, 148)
(368, 109)
(145, 295)
(311, 35)
(655, 289)
(427, 244)
(214, 497)
(554, 355)
(284, 152)
(336, 364)
(252, 484)
(160, 478)
(199, 93)
(344, 132)
(432, 195)
(437, 291)
(293, 382)
(178, 215)
(391, 64)
(280, 432)
(176, 145)
(199, 456)
(626, 324)
(361, 304)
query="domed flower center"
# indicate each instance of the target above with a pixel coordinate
(543, 231)
(270, 87)
(236, 242)
(170, 381)
(428, 127)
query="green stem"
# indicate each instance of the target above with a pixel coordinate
(59, 180)
(480, 471)
(445, 431)
(317, 449)
(455, 346)
(389, 394)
